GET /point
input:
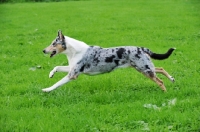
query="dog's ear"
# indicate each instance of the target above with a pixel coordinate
(60, 35)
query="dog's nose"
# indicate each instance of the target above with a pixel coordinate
(44, 51)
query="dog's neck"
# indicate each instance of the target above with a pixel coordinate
(74, 47)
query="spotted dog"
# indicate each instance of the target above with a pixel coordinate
(93, 60)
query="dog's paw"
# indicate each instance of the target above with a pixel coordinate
(46, 90)
(172, 79)
(51, 74)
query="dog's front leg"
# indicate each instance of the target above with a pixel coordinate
(59, 69)
(64, 80)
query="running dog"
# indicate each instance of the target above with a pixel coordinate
(94, 60)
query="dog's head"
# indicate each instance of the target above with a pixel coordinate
(57, 46)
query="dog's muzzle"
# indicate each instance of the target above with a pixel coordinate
(52, 53)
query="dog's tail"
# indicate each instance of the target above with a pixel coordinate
(158, 56)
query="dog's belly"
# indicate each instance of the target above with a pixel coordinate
(103, 68)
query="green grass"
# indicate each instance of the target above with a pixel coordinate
(123, 100)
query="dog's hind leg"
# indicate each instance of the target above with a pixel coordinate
(148, 70)
(64, 80)
(59, 69)
(153, 77)
(162, 71)
(159, 82)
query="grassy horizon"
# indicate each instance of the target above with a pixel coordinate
(123, 100)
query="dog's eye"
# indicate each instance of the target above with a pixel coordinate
(54, 44)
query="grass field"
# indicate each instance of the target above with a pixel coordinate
(122, 101)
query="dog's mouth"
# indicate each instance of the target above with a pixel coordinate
(53, 53)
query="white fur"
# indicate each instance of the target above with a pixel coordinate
(74, 52)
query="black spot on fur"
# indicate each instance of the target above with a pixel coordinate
(120, 52)
(79, 62)
(137, 56)
(96, 60)
(116, 62)
(87, 66)
(109, 59)
(82, 68)
(146, 50)
(138, 50)
(147, 67)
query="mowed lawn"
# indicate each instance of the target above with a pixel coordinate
(121, 101)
